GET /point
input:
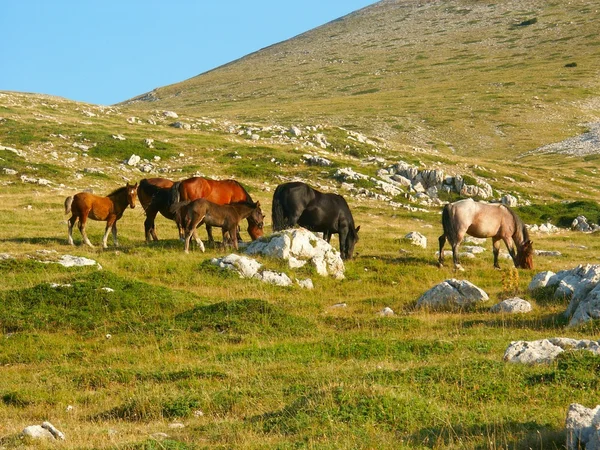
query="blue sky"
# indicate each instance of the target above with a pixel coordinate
(108, 51)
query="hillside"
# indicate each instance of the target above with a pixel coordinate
(458, 76)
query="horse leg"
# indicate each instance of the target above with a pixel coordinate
(343, 236)
(510, 246)
(496, 248)
(82, 223)
(442, 241)
(455, 259)
(70, 224)
(109, 224)
(149, 226)
(114, 233)
(211, 240)
(198, 240)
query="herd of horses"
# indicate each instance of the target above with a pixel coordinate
(200, 201)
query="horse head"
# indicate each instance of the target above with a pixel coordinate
(524, 259)
(256, 221)
(131, 194)
(351, 241)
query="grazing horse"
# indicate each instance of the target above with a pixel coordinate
(228, 217)
(154, 195)
(110, 209)
(483, 220)
(297, 203)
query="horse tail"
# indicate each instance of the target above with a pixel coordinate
(448, 224)
(277, 215)
(68, 203)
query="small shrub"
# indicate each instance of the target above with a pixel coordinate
(510, 282)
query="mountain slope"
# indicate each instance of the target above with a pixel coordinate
(455, 75)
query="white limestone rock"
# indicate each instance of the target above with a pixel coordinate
(133, 160)
(546, 350)
(452, 294)
(512, 306)
(244, 266)
(583, 427)
(540, 280)
(416, 239)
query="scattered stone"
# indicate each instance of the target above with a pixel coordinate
(59, 285)
(510, 200)
(580, 223)
(52, 429)
(295, 131)
(512, 306)
(170, 114)
(452, 294)
(416, 239)
(107, 289)
(386, 312)
(276, 278)
(546, 350)
(8, 171)
(119, 137)
(198, 413)
(306, 284)
(547, 253)
(474, 249)
(314, 160)
(37, 432)
(182, 125)
(244, 266)
(148, 142)
(176, 426)
(133, 160)
(583, 425)
(77, 261)
(339, 305)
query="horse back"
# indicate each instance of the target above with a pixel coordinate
(149, 187)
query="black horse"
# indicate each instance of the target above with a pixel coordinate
(296, 203)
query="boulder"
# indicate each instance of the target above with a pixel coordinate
(512, 306)
(510, 200)
(298, 246)
(452, 294)
(133, 160)
(417, 239)
(244, 266)
(580, 223)
(276, 278)
(170, 114)
(583, 427)
(77, 261)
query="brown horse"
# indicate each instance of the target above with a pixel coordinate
(154, 195)
(484, 220)
(228, 217)
(221, 192)
(110, 209)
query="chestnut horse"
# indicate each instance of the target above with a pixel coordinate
(156, 196)
(221, 192)
(483, 220)
(200, 211)
(110, 209)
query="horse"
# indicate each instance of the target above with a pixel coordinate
(201, 211)
(483, 220)
(110, 209)
(297, 203)
(154, 195)
(221, 192)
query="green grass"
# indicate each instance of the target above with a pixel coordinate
(560, 214)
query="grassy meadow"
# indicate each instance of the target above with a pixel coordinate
(242, 364)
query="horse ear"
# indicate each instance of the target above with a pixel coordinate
(258, 203)
(358, 228)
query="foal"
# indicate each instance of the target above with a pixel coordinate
(110, 209)
(227, 217)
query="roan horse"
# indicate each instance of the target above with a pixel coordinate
(297, 203)
(159, 194)
(227, 217)
(110, 209)
(483, 220)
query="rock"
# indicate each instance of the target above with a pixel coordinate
(547, 253)
(581, 224)
(386, 312)
(512, 306)
(119, 137)
(546, 350)
(244, 266)
(52, 429)
(181, 125)
(548, 228)
(314, 160)
(170, 114)
(417, 239)
(276, 278)
(542, 351)
(474, 240)
(306, 284)
(583, 425)
(37, 432)
(295, 131)
(176, 426)
(298, 244)
(77, 261)
(452, 294)
(148, 142)
(540, 280)
(8, 171)
(475, 249)
(510, 201)
(133, 160)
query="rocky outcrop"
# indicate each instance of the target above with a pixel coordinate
(583, 427)
(581, 285)
(298, 247)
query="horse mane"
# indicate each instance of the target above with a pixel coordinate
(117, 191)
(521, 230)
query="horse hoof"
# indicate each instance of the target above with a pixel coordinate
(440, 265)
